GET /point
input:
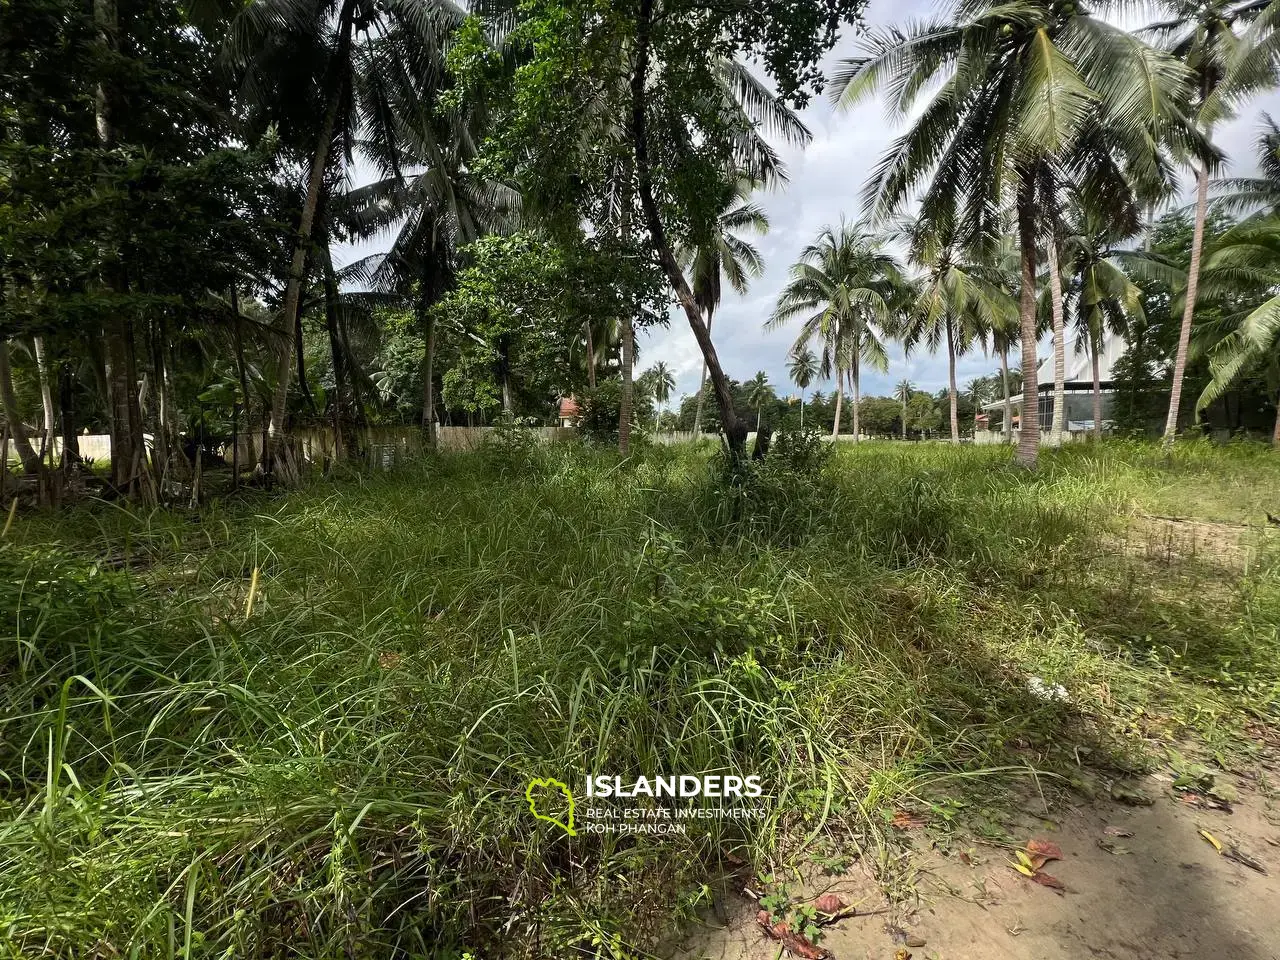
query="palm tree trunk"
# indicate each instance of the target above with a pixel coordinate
(835, 429)
(46, 391)
(293, 290)
(801, 409)
(1275, 433)
(1188, 308)
(67, 403)
(1059, 343)
(243, 374)
(9, 402)
(591, 358)
(951, 379)
(857, 397)
(904, 419)
(1008, 401)
(342, 438)
(628, 385)
(428, 381)
(1029, 433)
(702, 383)
(735, 431)
(1097, 394)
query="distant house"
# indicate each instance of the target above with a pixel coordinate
(1077, 388)
(569, 412)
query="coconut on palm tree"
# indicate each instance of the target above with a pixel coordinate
(847, 288)
(802, 366)
(1014, 87)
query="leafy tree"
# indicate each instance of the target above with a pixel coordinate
(688, 106)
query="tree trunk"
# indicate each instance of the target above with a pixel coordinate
(243, 374)
(835, 427)
(951, 380)
(17, 429)
(1029, 432)
(702, 383)
(1188, 308)
(67, 402)
(1097, 395)
(293, 290)
(127, 441)
(904, 419)
(46, 390)
(1008, 401)
(857, 398)
(591, 358)
(735, 431)
(1059, 343)
(801, 409)
(1275, 433)
(628, 385)
(428, 379)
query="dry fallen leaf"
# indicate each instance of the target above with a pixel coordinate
(902, 953)
(1023, 869)
(828, 903)
(1044, 848)
(791, 941)
(1053, 883)
(1117, 832)
(1212, 839)
(1233, 852)
(907, 820)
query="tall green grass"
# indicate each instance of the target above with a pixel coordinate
(341, 773)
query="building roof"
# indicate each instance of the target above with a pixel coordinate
(568, 408)
(1079, 366)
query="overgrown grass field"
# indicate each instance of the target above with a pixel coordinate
(302, 725)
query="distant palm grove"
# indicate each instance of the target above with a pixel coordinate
(549, 181)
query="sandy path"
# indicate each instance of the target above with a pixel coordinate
(1171, 895)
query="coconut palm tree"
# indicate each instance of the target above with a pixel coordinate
(848, 288)
(903, 392)
(333, 76)
(663, 383)
(1100, 296)
(724, 256)
(959, 298)
(759, 393)
(1205, 35)
(1015, 87)
(1246, 257)
(802, 366)
(1251, 194)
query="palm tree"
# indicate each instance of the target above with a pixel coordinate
(1100, 294)
(334, 75)
(959, 299)
(759, 393)
(1246, 257)
(725, 256)
(1250, 194)
(802, 365)
(1019, 87)
(663, 383)
(848, 287)
(903, 392)
(1204, 34)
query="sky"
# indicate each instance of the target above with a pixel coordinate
(826, 180)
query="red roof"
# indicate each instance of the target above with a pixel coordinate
(568, 407)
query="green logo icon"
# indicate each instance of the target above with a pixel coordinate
(540, 786)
